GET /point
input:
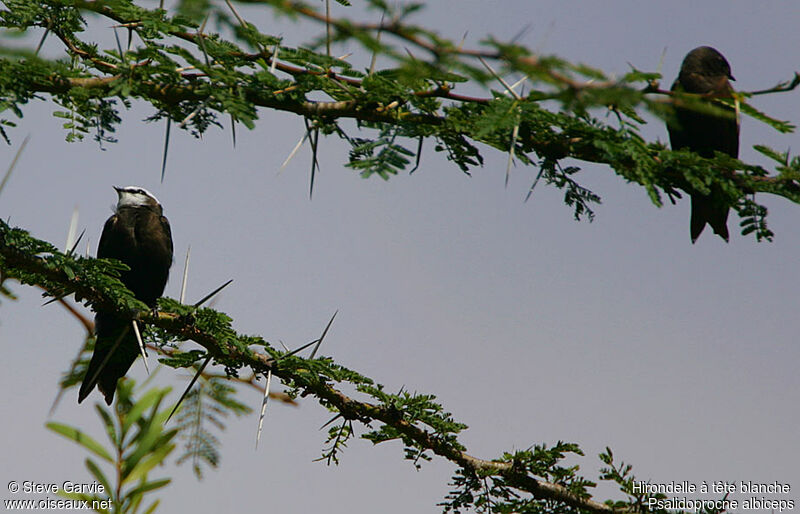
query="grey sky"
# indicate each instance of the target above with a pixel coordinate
(527, 325)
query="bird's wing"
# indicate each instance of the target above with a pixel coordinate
(103, 249)
(168, 233)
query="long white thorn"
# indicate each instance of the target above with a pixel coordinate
(274, 58)
(73, 229)
(294, 151)
(500, 79)
(514, 135)
(185, 273)
(141, 344)
(263, 406)
(516, 84)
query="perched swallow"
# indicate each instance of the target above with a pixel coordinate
(705, 71)
(138, 235)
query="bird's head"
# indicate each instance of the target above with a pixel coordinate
(707, 61)
(135, 196)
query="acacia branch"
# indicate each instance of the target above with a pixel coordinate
(553, 145)
(37, 270)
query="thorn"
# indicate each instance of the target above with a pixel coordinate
(419, 156)
(514, 134)
(55, 299)
(520, 81)
(235, 13)
(524, 30)
(328, 26)
(536, 181)
(130, 38)
(74, 246)
(41, 41)
(201, 39)
(14, 162)
(203, 26)
(73, 228)
(499, 78)
(141, 345)
(315, 341)
(294, 151)
(185, 274)
(324, 332)
(212, 293)
(192, 114)
(314, 163)
(263, 406)
(119, 45)
(284, 346)
(331, 420)
(194, 379)
(378, 40)
(166, 148)
(661, 60)
(233, 130)
(277, 49)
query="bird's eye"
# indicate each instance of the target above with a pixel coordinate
(140, 191)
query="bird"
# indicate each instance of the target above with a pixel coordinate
(139, 236)
(705, 71)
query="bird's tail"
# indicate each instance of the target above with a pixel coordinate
(115, 349)
(706, 210)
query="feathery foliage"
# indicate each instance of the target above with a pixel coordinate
(200, 79)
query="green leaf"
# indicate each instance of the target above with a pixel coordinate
(152, 507)
(784, 127)
(81, 438)
(145, 465)
(97, 473)
(141, 405)
(148, 486)
(111, 430)
(780, 157)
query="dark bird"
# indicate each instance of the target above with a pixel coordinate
(705, 71)
(138, 235)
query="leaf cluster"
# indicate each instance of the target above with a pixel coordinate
(138, 443)
(198, 79)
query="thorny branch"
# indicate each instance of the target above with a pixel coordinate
(183, 327)
(548, 144)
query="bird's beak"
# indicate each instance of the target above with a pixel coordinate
(118, 190)
(731, 77)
